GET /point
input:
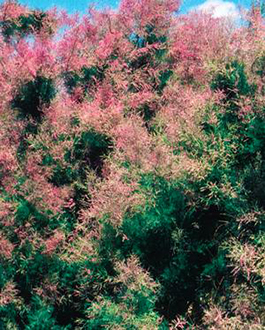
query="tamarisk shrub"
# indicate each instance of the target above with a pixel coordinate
(131, 168)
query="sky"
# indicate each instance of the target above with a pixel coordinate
(217, 7)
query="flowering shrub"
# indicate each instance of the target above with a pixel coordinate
(132, 169)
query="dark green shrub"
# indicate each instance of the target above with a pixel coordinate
(164, 77)
(86, 78)
(32, 96)
(233, 81)
(90, 148)
(40, 316)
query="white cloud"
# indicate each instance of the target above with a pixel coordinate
(220, 8)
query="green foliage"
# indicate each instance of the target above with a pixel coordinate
(32, 96)
(86, 78)
(146, 113)
(107, 314)
(168, 201)
(40, 316)
(23, 26)
(150, 58)
(149, 38)
(152, 37)
(63, 176)
(91, 147)
(26, 211)
(233, 82)
(131, 304)
(23, 211)
(164, 77)
(87, 152)
(258, 66)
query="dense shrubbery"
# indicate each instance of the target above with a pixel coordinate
(132, 169)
